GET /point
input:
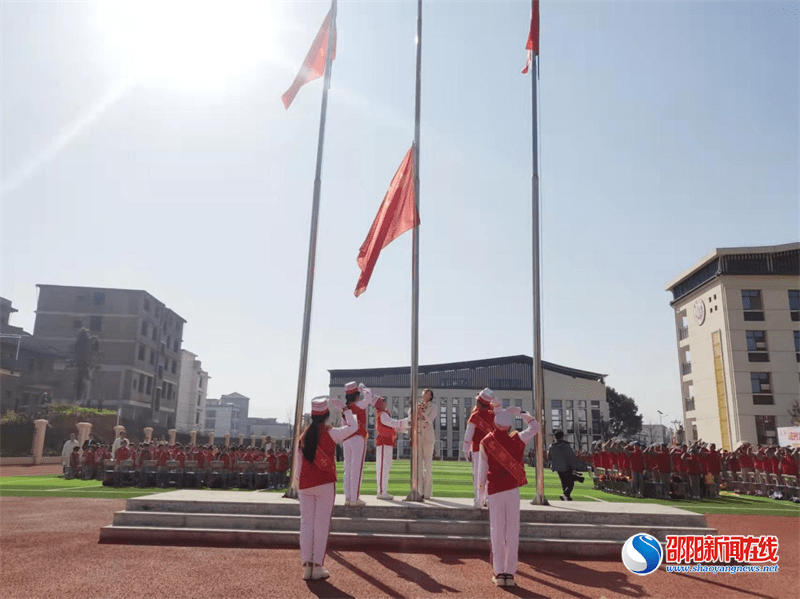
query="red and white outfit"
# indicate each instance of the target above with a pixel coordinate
(480, 424)
(317, 489)
(355, 445)
(502, 473)
(385, 436)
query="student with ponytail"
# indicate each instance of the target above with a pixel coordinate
(317, 483)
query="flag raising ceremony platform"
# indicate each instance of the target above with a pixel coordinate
(257, 519)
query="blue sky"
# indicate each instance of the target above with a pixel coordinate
(666, 130)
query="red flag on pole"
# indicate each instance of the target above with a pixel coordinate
(314, 64)
(397, 214)
(533, 37)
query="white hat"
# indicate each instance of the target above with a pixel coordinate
(486, 396)
(503, 419)
(319, 406)
(350, 387)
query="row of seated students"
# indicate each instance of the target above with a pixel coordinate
(162, 465)
(696, 471)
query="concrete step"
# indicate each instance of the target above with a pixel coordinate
(370, 525)
(352, 541)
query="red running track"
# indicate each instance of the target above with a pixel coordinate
(49, 549)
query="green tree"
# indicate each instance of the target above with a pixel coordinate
(624, 418)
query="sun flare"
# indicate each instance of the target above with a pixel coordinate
(177, 42)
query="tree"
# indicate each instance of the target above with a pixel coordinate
(87, 360)
(624, 418)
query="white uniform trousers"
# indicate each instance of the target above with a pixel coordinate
(428, 441)
(353, 466)
(504, 523)
(383, 465)
(316, 507)
(476, 463)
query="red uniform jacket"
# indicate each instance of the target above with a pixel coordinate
(323, 469)
(499, 478)
(123, 453)
(386, 435)
(483, 419)
(361, 415)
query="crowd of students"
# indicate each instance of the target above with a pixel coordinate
(695, 471)
(150, 464)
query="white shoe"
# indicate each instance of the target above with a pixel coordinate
(510, 580)
(319, 573)
(498, 580)
(476, 503)
(386, 496)
(307, 569)
(358, 503)
(347, 502)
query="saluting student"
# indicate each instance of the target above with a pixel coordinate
(386, 429)
(480, 424)
(317, 483)
(358, 398)
(502, 473)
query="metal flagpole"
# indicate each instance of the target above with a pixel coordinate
(416, 446)
(312, 255)
(537, 387)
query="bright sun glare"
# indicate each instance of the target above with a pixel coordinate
(180, 42)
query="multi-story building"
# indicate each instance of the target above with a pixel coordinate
(222, 418)
(139, 342)
(242, 403)
(575, 400)
(192, 390)
(737, 317)
(268, 427)
(654, 433)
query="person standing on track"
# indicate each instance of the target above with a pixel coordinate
(317, 482)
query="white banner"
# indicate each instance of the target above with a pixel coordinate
(789, 436)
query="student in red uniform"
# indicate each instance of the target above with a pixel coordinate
(87, 466)
(272, 468)
(358, 398)
(386, 429)
(283, 466)
(502, 473)
(693, 468)
(74, 463)
(636, 460)
(479, 424)
(316, 462)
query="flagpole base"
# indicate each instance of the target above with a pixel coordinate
(539, 500)
(415, 496)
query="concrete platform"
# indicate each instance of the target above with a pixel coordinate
(259, 519)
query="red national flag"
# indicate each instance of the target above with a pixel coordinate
(397, 214)
(533, 37)
(314, 64)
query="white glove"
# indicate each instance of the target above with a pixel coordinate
(337, 403)
(514, 410)
(404, 426)
(526, 418)
(367, 394)
(533, 425)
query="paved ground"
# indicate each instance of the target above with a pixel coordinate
(49, 549)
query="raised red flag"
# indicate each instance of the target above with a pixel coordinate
(397, 214)
(533, 37)
(314, 64)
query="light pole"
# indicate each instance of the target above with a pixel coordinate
(660, 427)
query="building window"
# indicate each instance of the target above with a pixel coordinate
(149, 388)
(794, 303)
(155, 333)
(99, 298)
(141, 352)
(95, 323)
(765, 430)
(174, 366)
(77, 324)
(454, 414)
(141, 382)
(144, 328)
(689, 403)
(176, 346)
(210, 423)
(797, 344)
(751, 304)
(152, 357)
(199, 399)
(757, 346)
(200, 386)
(443, 416)
(761, 388)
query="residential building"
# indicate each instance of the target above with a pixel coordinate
(140, 346)
(31, 372)
(575, 400)
(192, 389)
(243, 404)
(222, 418)
(268, 427)
(737, 322)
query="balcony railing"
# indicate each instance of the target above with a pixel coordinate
(686, 368)
(689, 403)
(683, 333)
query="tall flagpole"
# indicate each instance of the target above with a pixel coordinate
(416, 446)
(312, 255)
(538, 381)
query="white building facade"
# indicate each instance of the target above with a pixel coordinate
(222, 419)
(575, 400)
(192, 389)
(737, 318)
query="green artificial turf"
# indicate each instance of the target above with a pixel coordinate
(451, 479)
